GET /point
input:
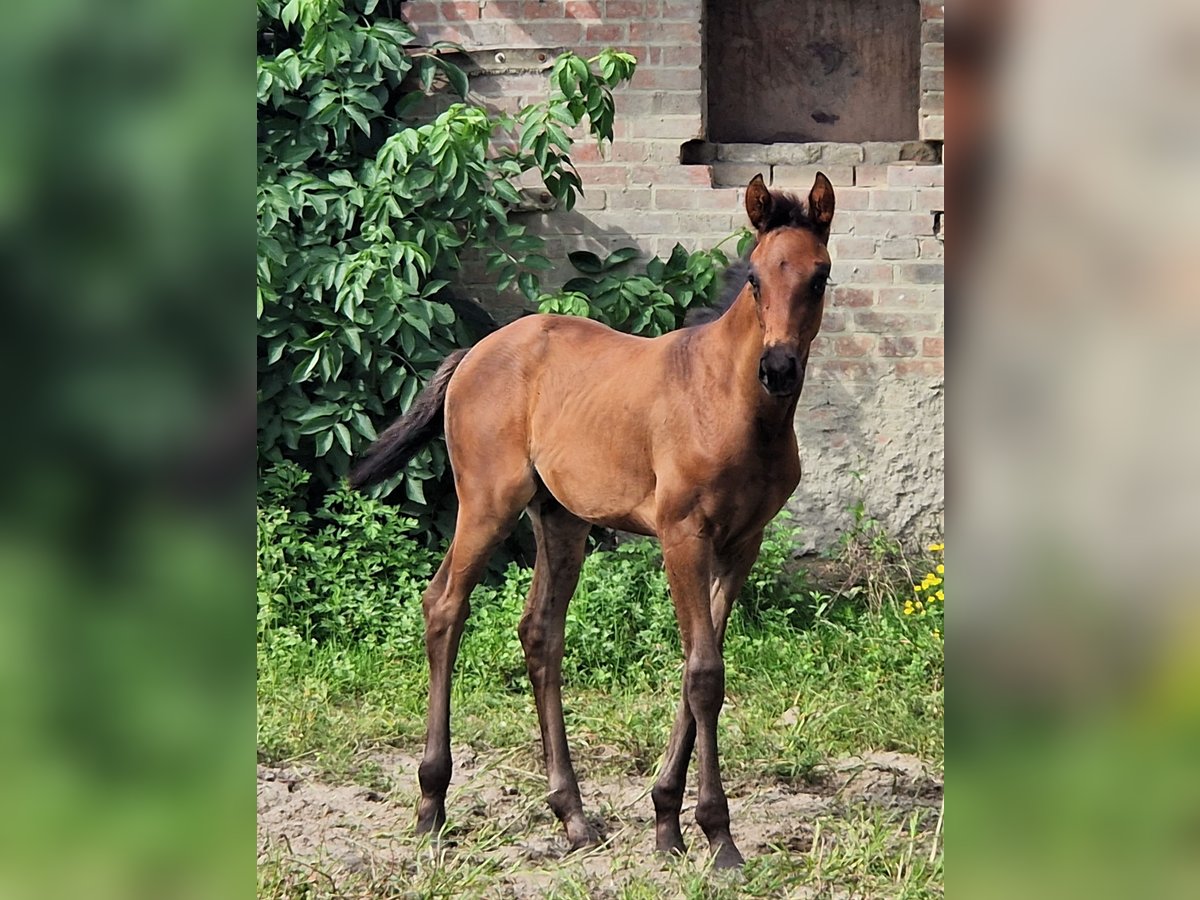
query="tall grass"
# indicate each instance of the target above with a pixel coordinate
(341, 653)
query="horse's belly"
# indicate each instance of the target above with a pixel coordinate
(600, 483)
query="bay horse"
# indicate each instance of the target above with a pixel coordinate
(688, 437)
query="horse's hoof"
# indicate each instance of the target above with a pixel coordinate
(582, 836)
(671, 844)
(727, 857)
(431, 822)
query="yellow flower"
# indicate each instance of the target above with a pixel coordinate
(920, 605)
(908, 610)
(936, 548)
(936, 633)
(933, 579)
(941, 595)
(941, 570)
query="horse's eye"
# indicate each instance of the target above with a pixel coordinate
(818, 285)
(753, 280)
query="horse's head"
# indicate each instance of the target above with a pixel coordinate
(789, 268)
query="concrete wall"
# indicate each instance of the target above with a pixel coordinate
(870, 419)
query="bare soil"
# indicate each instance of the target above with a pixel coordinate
(499, 818)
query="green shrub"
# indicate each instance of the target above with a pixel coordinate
(364, 212)
(351, 572)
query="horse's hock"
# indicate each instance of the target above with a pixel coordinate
(854, 90)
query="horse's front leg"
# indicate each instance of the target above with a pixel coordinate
(729, 572)
(688, 559)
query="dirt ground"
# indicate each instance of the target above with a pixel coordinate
(502, 826)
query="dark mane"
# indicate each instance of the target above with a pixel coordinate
(788, 211)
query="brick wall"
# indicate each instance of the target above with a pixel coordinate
(870, 422)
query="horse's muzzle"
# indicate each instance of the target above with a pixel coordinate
(779, 370)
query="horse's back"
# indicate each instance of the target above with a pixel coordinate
(574, 398)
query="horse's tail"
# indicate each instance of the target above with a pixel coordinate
(423, 422)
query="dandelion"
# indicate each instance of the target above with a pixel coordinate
(941, 595)
(936, 548)
(941, 569)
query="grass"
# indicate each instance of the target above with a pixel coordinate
(814, 674)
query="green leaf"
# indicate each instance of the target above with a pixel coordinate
(586, 261)
(323, 442)
(457, 78)
(621, 255)
(342, 433)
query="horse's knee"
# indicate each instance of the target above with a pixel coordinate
(667, 797)
(706, 685)
(443, 615)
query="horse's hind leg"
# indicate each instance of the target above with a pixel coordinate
(561, 539)
(485, 517)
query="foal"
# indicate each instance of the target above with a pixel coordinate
(687, 436)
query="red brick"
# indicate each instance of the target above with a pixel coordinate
(891, 200)
(854, 345)
(902, 298)
(687, 54)
(899, 248)
(630, 151)
(459, 12)
(845, 247)
(847, 198)
(532, 9)
(820, 347)
(932, 248)
(929, 368)
(626, 9)
(667, 174)
(884, 224)
(602, 174)
(667, 79)
(921, 273)
(854, 272)
(687, 11)
(893, 322)
(933, 10)
(870, 176)
(852, 296)
(932, 199)
(891, 345)
(664, 33)
(933, 346)
(422, 13)
(583, 9)
(586, 152)
(833, 320)
(607, 33)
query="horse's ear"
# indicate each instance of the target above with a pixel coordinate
(820, 204)
(759, 203)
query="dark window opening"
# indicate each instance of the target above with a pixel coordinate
(812, 70)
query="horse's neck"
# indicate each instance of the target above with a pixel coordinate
(736, 340)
